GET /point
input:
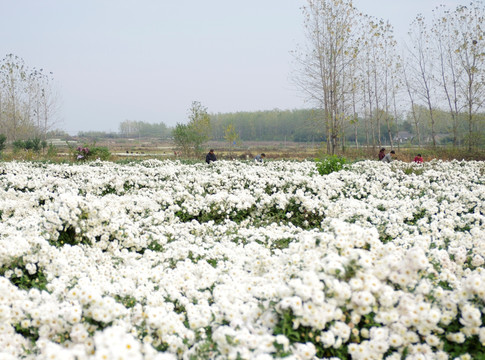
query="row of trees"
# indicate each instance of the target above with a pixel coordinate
(305, 126)
(270, 125)
(352, 70)
(28, 102)
(133, 129)
(301, 125)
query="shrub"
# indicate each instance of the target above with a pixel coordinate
(330, 164)
(100, 152)
(51, 151)
(34, 144)
(3, 140)
(18, 145)
(92, 152)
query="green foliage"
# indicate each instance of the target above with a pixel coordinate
(18, 145)
(127, 301)
(416, 217)
(51, 151)
(155, 246)
(183, 138)
(383, 236)
(96, 325)
(471, 345)
(303, 334)
(66, 236)
(281, 244)
(69, 236)
(21, 277)
(100, 152)
(350, 270)
(206, 349)
(3, 140)
(414, 170)
(231, 135)
(31, 333)
(92, 152)
(463, 228)
(293, 213)
(189, 138)
(269, 125)
(330, 164)
(34, 144)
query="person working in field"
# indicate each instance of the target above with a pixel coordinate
(210, 157)
(382, 153)
(418, 159)
(260, 158)
(388, 157)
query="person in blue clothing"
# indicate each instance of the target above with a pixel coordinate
(260, 158)
(210, 157)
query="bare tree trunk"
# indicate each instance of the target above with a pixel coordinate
(389, 132)
(413, 107)
(431, 116)
(470, 131)
(423, 59)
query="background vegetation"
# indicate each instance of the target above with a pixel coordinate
(365, 91)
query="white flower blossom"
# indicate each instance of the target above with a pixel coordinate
(197, 261)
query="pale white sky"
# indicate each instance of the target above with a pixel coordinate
(147, 60)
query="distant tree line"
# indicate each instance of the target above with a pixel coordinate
(307, 125)
(130, 129)
(299, 125)
(271, 125)
(133, 129)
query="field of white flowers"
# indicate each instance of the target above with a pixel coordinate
(236, 260)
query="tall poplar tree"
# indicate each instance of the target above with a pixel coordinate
(324, 63)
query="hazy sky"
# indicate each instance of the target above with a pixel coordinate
(147, 60)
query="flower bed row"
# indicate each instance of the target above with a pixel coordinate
(161, 260)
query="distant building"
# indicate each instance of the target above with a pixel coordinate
(403, 136)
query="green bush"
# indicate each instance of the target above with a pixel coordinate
(3, 140)
(92, 153)
(330, 164)
(18, 145)
(100, 152)
(51, 151)
(34, 144)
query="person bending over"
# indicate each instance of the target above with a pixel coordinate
(210, 157)
(260, 158)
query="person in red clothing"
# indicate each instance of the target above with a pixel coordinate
(382, 153)
(418, 159)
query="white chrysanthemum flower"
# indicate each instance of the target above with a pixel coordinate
(363, 298)
(456, 337)
(172, 277)
(470, 316)
(304, 351)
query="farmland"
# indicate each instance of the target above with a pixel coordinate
(123, 149)
(236, 260)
